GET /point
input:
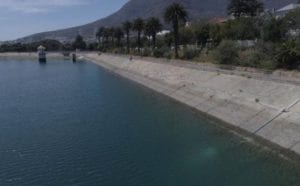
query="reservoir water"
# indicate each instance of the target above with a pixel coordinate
(76, 124)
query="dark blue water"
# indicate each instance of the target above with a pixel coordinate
(76, 124)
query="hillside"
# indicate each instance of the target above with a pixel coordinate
(144, 9)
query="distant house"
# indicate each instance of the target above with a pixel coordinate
(294, 33)
(188, 24)
(246, 43)
(163, 32)
(219, 20)
(284, 10)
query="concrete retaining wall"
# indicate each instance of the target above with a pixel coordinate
(265, 108)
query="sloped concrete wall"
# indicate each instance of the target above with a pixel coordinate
(265, 108)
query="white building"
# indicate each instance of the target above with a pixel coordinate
(282, 11)
(163, 32)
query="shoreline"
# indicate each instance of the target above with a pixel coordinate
(266, 110)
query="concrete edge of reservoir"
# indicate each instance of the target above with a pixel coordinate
(266, 109)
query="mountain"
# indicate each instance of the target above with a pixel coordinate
(144, 9)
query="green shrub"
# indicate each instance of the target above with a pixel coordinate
(227, 53)
(274, 30)
(161, 52)
(190, 53)
(168, 54)
(158, 53)
(288, 54)
(146, 52)
(255, 58)
(135, 52)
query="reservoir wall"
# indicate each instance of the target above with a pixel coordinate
(265, 108)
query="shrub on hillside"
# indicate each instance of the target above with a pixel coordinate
(118, 51)
(274, 30)
(256, 59)
(190, 53)
(227, 53)
(288, 54)
(146, 52)
(168, 54)
(160, 52)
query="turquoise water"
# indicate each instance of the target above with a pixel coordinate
(76, 124)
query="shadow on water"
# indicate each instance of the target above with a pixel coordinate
(42, 63)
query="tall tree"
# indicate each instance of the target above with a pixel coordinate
(201, 31)
(244, 28)
(79, 43)
(118, 34)
(215, 34)
(106, 34)
(103, 34)
(138, 26)
(173, 14)
(239, 8)
(152, 27)
(100, 35)
(111, 32)
(127, 26)
(274, 30)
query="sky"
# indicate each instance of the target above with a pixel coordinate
(20, 18)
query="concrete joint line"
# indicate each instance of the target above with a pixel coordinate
(177, 89)
(284, 110)
(270, 121)
(292, 105)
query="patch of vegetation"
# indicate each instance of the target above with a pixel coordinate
(227, 53)
(190, 54)
(288, 54)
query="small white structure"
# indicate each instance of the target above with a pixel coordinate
(246, 43)
(42, 54)
(163, 32)
(294, 33)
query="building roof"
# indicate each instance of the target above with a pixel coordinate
(289, 7)
(163, 32)
(41, 47)
(219, 20)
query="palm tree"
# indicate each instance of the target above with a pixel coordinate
(152, 27)
(127, 26)
(100, 35)
(111, 32)
(118, 34)
(79, 43)
(104, 33)
(173, 14)
(239, 8)
(138, 26)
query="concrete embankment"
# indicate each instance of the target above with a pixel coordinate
(269, 109)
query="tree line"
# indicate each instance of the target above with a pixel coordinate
(146, 31)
